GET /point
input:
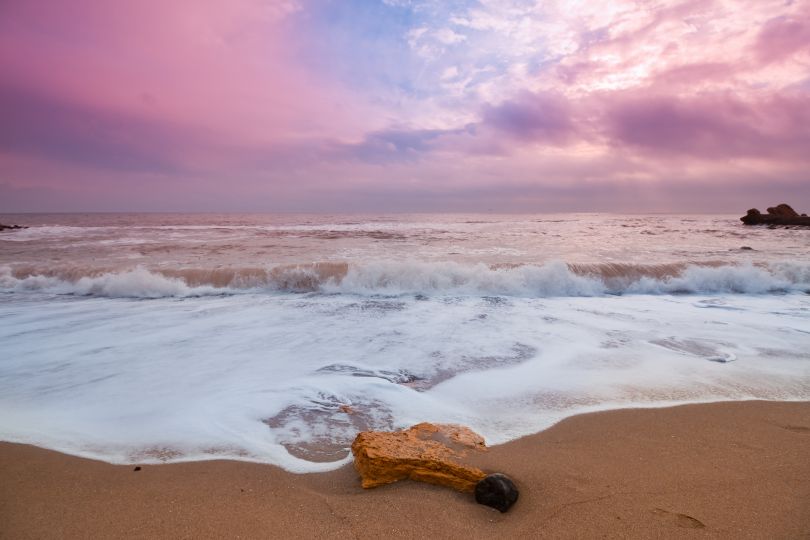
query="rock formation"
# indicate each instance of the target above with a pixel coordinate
(430, 453)
(11, 227)
(782, 214)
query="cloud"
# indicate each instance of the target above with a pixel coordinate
(782, 37)
(449, 37)
(715, 126)
(542, 117)
(228, 67)
(44, 126)
(394, 145)
(319, 103)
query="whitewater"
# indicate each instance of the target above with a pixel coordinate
(276, 338)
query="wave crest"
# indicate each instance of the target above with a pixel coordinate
(554, 278)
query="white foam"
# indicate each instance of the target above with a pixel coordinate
(136, 283)
(252, 376)
(48, 232)
(782, 277)
(552, 279)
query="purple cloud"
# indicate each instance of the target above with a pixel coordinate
(395, 144)
(542, 117)
(44, 126)
(711, 127)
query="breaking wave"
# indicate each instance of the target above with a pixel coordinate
(552, 279)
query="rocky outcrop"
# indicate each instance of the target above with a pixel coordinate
(432, 453)
(11, 227)
(781, 214)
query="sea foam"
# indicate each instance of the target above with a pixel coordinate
(551, 279)
(265, 377)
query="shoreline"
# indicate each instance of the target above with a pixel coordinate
(719, 470)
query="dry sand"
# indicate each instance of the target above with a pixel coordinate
(724, 470)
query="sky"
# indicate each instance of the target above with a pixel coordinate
(404, 105)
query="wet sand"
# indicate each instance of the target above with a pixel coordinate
(724, 470)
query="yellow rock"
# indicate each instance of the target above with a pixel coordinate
(426, 452)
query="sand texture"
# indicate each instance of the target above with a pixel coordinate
(724, 470)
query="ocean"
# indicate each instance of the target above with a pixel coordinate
(276, 338)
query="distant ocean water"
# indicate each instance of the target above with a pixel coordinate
(167, 337)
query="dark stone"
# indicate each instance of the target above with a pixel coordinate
(136, 469)
(782, 210)
(752, 217)
(11, 227)
(747, 248)
(496, 490)
(780, 215)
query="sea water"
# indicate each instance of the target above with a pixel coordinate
(276, 338)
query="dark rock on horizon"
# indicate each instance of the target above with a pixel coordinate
(11, 227)
(496, 490)
(783, 210)
(781, 214)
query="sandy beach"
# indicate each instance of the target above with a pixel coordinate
(723, 470)
(244, 243)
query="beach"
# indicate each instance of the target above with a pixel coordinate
(256, 255)
(721, 470)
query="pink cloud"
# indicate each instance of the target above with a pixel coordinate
(221, 66)
(782, 37)
(715, 126)
(217, 101)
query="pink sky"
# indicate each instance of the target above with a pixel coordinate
(404, 105)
